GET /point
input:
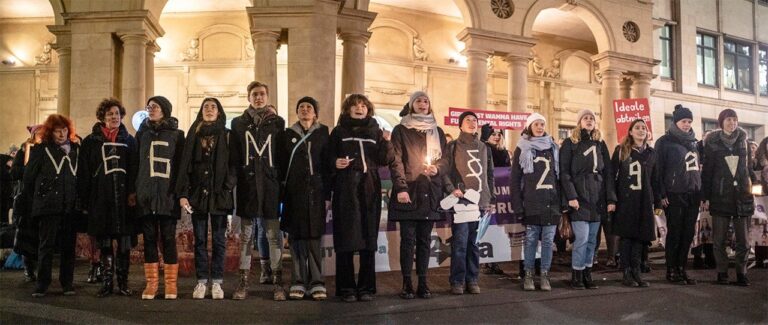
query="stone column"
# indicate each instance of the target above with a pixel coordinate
(517, 91)
(152, 48)
(477, 72)
(353, 62)
(625, 87)
(65, 73)
(265, 44)
(641, 86)
(609, 92)
(134, 73)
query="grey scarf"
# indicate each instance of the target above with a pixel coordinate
(730, 140)
(425, 123)
(529, 145)
(687, 139)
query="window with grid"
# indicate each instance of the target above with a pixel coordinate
(763, 84)
(706, 59)
(563, 132)
(668, 121)
(666, 51)
(737, 66)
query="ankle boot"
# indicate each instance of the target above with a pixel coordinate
(122, 265)
(588, 283)
(266, 272)
(171, 275)
(152, 278)
(577, 281)
(628, 279)
(107, 276)
(278, 294)
(636, 276)
(545, 284)
(29, 270)
(741, 280)
(672, 275)
(722, 278)
(407, 292)
(423, 290)
(242, 287)
(684, 277)
(528, 284)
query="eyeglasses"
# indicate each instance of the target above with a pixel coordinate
(152, 108)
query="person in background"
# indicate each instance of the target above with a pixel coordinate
(467, 164)
(418, 145)
(27, 240)
(160, 146)
(495, 139)
(727, 180)
(708, 261)
(356, 149)
(108, 163)
(50, 183)
(306, 198)
(634, 163)
(536, 194)
(761, 252)
(204, 187)
(587, 178)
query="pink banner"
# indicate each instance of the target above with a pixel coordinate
(498, 120)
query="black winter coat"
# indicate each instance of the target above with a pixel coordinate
(637, 179)
(206, 178)
(50, 180)
(109, 172)
(410, 151)
(160, 148)
(357, 188)
(500, 157)
(728, 194)
(586, 175)
(254, 153)
(536, 195)
(679, 168)
(307, 181)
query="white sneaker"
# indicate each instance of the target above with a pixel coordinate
(200, 290)
(216, 291)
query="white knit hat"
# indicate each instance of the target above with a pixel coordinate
(533, 118)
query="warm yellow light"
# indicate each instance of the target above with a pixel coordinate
(757, 190)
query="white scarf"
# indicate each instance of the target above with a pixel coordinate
(427, 124)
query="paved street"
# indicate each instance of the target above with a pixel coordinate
(502, 301)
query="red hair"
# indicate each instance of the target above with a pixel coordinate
(57, 121)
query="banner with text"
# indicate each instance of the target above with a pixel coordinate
(498, 120)
(627, 110)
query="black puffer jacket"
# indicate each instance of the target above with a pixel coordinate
(586, 175)
(678, 165)
(109, 172)
(357, 188)
(156, 181)
(50, 180)
(307, 182)
(253, 148)
(536, 195)
(410, 151)
(729, 194)
(206, 178)
(637, 179)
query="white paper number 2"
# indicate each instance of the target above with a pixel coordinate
(540, 185)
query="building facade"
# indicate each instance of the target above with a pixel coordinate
(554, 57)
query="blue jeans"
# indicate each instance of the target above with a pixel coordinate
(262, 244)
(585, 240)
(218, 231)
(532, 234)
(465, 254)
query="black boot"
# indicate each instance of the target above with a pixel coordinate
(672, 275)
(123, 264)
(636, 276)
(107, 276)
(684, 277)
(709, 257)
(29, 270)
(588, 283)
(407, 292)
(628, 279)
(92, 278)
(423, 290)
(722, 278)
(577, 282)
(741, 280)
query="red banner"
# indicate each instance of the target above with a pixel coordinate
(498, 120)
(627, 110)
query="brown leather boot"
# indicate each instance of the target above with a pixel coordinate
(150, 273)
(171, 275)
(242, 288)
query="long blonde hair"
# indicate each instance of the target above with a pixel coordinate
(576, 134)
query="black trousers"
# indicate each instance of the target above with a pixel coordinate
(418, 235)
(681, 227)
(631, 253)
(56, 231)
(345, 273)
(166, 226)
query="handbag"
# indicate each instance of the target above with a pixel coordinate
(566, 232)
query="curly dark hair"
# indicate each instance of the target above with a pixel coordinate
(106, 104)
(355, 99)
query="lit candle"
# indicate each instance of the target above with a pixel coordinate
(428, 160)
(757, 190)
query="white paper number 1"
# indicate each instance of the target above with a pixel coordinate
(593, 150)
